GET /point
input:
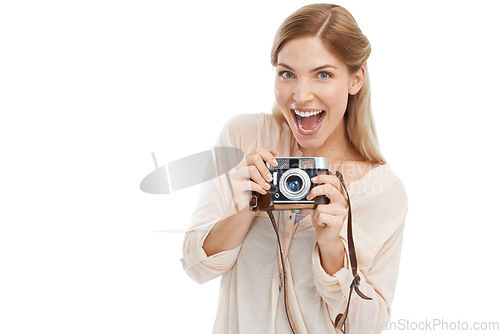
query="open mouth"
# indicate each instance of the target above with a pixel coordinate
(308, 122)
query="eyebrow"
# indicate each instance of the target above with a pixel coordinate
(313, 70)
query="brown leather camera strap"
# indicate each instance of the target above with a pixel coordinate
(283, 268)
(341, 319)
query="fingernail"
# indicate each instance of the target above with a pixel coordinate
(269, 177)
(314, 179)
(275, 163)
(267, 186)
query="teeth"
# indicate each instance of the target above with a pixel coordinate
(307, 113)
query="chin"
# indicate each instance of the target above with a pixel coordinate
(310, 143)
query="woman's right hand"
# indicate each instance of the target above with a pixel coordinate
(252, 174)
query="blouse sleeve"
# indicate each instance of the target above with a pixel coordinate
(214, 203)
(195, 261)
(378, 272)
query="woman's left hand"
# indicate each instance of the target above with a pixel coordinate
(328, 219)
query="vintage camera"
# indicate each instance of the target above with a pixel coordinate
(291, 184)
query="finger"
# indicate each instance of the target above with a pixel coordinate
(329, 179)
(252, 186)
(329, 209)
(267, 156)
(275, 153)
(256, 177)
(332, 209)
(240, 174)
(245, 174)
(326, 189)
(332, 221)
(332, 179)
(259, 154)
(241, 181)
(256, 160)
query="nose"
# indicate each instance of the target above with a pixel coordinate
(302, 91)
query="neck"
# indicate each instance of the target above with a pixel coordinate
(333, 148)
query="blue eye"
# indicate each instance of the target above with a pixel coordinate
(324, 75)
(286, 74)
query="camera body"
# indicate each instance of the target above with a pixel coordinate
(291, 184)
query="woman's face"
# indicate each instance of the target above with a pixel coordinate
(311, 88)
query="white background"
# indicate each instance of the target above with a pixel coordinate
(90, 88)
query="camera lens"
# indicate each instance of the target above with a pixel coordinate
(294, 183)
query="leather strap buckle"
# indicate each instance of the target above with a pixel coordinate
(253, 203)
(356, 280)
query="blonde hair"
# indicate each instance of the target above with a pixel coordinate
(340, 33)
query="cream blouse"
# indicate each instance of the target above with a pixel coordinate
(250, 298)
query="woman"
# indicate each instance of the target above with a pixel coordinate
(322, 110)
